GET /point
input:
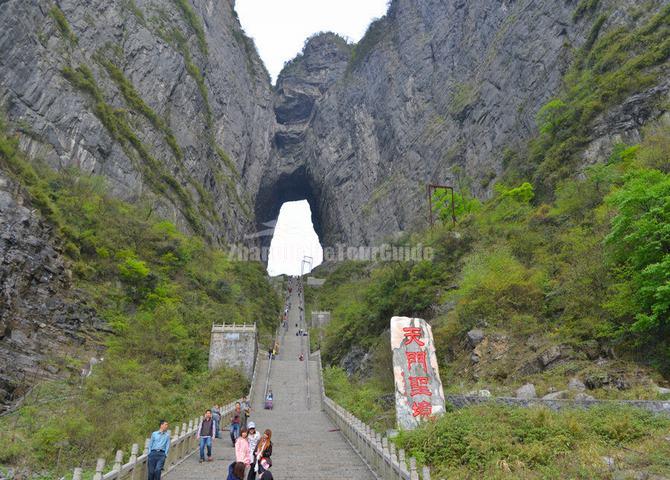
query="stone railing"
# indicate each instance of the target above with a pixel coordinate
(183, 444)
(232, 327)
(379, 454)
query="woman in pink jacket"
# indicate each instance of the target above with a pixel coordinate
(242, 452)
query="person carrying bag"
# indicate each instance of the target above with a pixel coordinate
(262, 453)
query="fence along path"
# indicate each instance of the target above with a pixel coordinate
(313, 437)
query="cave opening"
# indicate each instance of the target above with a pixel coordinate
(288, 215)
(295, 248)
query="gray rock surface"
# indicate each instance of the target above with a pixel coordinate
(62, 128)
(550, 355)
(576, 385)
(526, 392)
(663, 390)
(42, 318)
(475, 337)
(435, 92)
(479, 393)
(563, 394)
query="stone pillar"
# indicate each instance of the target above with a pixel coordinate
(133, 461)
(413, 473)
(118, 461)
(426, 473)
(418, 391)
(99, 467)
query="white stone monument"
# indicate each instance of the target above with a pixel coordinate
(418, 388)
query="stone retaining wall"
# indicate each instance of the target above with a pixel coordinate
(233, 346)
(655, 406)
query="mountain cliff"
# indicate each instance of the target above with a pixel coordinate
(439, 92)
(170, 98)
(161, 97)
(169, 101)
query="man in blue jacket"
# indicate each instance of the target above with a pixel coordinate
(159, 446)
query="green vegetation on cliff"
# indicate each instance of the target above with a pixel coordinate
(578, 266)
(609, 67)
(159, 291)
(588, 273)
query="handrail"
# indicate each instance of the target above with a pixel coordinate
(375, 449)
(255, 374)
(183, 444)
(303, 325)
(267, 378)
(234, 326)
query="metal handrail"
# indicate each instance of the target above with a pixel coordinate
(267, 379)
(302, 341)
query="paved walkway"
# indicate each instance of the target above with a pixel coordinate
(306, 445)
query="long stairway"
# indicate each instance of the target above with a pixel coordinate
(306, 445)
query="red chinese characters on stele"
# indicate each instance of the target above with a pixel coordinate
(418, 385)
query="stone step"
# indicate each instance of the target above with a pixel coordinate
(306, 445)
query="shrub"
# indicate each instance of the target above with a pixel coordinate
(194, 22)
(503, 442)
(640, 242)
(63, 25)
(495, 286)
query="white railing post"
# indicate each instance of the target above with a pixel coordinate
(184, 451)
(118, 461)
(395, 468)
(403, 464)
(133, 461)
(425, 473)
(144, 468)
(99, 467)
(77, 474)
(413, 474)
(386, 458)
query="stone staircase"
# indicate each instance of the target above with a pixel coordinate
(306, 444)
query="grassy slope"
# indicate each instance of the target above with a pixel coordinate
(160, 291)
(550, 260)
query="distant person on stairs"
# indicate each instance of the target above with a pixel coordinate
(216, 415)
(236, 471)
(159, 445)
(206, 432)
(235, 420)
(246, 411)
(253, 437)
(263, 453)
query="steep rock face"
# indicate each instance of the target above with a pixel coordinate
(435, 92)
(42, 319)
(288, 172)
(195, 134)
(163, 98)
(168, 97)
